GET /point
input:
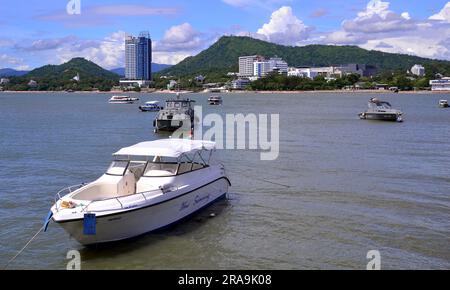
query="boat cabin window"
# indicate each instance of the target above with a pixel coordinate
(161, 166)
(117, 168)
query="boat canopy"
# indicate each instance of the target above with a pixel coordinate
(152, 103)
(166, 148)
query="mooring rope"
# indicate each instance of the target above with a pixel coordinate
(262, 179)
(24, 247)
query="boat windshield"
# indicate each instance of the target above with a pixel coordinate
(117, 168)
(161, 166)
(379, 105)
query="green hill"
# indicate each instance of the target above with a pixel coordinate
(60, 77)
(70, 69)
(223, 55)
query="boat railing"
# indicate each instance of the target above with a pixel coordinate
(67, 190)
(118, 198)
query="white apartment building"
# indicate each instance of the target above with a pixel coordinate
(441, 84)
(278, 64)
(418, 70)
(246, 65)
(313, 72)
(261, 68)
(131, 45)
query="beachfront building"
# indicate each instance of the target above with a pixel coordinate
(442, 84)
(138, 58)
(32, 84)
(256, 66)
(4, 81)
(240, 84)
(313, 72)
(278, 64)
(274, 64)
(246, 64)
(352, 68)
(172, 85)
(261, 68)
(418, 70)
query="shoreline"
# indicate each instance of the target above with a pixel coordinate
(234, 92)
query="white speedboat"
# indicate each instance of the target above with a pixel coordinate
(383, 111)
(443, 103)
(215, 100)
(148, 186)
(122, 100)
(152, 106)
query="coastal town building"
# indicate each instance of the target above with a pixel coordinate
(261, 68)
(313, 72)
(138, 59)
(172, 85)
(32, 84)
(4, 81)
(278, 64)
(240, 84)
(256, 66)
(418, 70)
(442, 84)
(246, 65)
(332, 72)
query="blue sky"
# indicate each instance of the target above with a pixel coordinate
(38, 32)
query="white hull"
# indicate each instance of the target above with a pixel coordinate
(150, 217)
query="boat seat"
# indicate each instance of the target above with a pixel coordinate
(127, 185)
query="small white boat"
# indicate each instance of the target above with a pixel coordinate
(122, 100)
(382, 111)
(443, 103)
(215, 100)
(152, 106)
(148, 186)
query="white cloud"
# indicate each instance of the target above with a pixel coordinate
(108, 53)
(169, 57)
(443, 15)
(180, 38)
(378, 18)
(378, 28)
(8, 61)
(344, 37)
(284, 28)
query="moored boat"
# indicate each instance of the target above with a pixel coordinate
(177, 113)
(215, 100)
(380, 110)
(122, 100)
(148, 186)
(443, 103)
(152, 106)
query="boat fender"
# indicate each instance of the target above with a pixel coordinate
(47, 220)
(89, 224)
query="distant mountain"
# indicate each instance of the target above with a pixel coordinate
(223, 55)
(9, 72)
(156, 67)
(118, 71)
(66, 71)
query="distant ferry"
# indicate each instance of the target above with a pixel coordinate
(122, 100)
